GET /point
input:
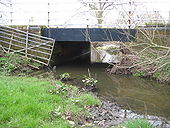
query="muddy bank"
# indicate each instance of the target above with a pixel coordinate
(110, 114)
(128, 66)
(131, 64)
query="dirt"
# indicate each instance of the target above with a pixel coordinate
(123, 67)
(110, 114)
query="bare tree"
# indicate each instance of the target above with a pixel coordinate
(148, 56)
(99, 8)
(5, 5)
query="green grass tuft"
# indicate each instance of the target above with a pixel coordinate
(88, 99)
(136, 123)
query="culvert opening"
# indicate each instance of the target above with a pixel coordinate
(69, 52)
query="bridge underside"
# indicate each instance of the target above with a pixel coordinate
(69, 52)
(89, 34)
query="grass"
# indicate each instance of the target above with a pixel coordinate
(28, 103)
(136, 123)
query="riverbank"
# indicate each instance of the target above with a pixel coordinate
(32, 103)
(134, 58)
(105, 114)
(110, 113)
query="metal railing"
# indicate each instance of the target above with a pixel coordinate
(35, 47)
(75, 14)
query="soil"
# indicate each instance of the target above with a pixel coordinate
(123, 67)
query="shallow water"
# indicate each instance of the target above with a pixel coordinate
(136, 94)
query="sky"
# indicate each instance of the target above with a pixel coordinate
(69, 13)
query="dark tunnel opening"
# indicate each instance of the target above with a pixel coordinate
(69, 52)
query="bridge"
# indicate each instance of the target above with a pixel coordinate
(68, 31)
(66, 44)
(74, 44)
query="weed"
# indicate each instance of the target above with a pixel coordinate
(65, 76)
(11, 63)
(157, 75)
(89, 81)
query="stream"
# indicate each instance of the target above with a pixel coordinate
(140, 96)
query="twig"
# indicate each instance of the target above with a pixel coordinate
(89, 72)
(150, 62)
(160, 67)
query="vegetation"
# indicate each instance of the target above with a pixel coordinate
(89, 81)
(147, 57)
(101, 6)
(136, 123)
(15, 64)
(65, 76)
(157, 24)
(35, 103)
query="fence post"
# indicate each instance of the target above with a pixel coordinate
(48, 22)
(11, 14)
(87, 27)
(130, 15)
